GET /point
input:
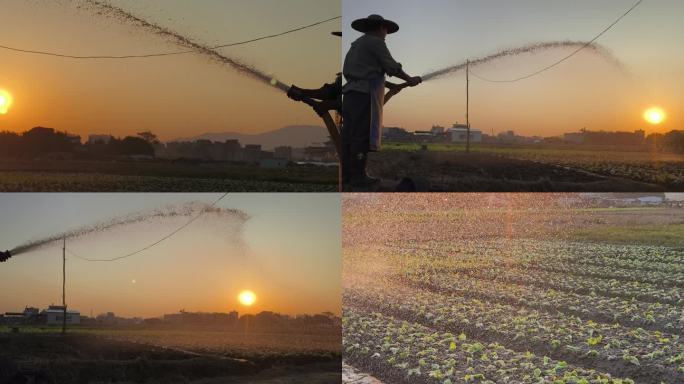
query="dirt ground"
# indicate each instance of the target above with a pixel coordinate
(461, 172)
(43, 358)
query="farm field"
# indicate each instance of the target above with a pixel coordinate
(168, 356)
(160, 176)
(505, 289)
(530, 168)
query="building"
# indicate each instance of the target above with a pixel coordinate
(574, 137)
(584, 136)
(102, 139)
(54, 315)
(458, 133)
(283, 153)
(252, 153)
(437, 130)
(74, 139)
(201, 318)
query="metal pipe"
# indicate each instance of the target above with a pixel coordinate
(64, 313)
(468, 106)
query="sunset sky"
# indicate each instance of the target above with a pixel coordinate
(585, 91)
(175, 96)
(290, 258)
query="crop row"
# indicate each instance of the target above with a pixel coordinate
(406, 352)
(631, 313)
(657, 278)
(471, 264)
(552, 252)
(641, 256)
(667, 174)
(581, 284)
(645, 355)
(605, 262)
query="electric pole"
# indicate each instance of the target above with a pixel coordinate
(468, 106)
(64, 313)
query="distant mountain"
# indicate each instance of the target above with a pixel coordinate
(296, 136)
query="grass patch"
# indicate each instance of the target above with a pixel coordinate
(665, 235)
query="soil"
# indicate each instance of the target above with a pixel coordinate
(52, 358)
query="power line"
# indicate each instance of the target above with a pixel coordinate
(192, 220)
(62, 55)
(566, 57)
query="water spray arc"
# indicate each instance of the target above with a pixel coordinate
(516, 51)
(192, 210)
(119, 13)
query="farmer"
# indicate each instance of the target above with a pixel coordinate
(365, 67)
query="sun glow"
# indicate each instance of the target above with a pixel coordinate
(247, 298)
(654, 115)
(5, 101)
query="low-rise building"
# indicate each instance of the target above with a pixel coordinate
(102, 139)
(54, 315)
(458, 133)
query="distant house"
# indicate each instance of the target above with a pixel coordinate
(574, 137)
(437, 130)
(103, 139)
(74, 139)
(54, 315)
(252, 153)
(283, 153)
(458, 133)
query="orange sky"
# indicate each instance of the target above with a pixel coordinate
(585, 91)
(176, 96)
(290, 258)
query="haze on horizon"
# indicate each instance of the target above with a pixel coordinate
(585, 91)
(174, 96)
(288, 255)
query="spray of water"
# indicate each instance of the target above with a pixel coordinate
(102, 8)
(525, 49)
(235, 217)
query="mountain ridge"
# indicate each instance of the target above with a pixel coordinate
(296, 136)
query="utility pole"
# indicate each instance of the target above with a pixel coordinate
(468, 106)
(64, 314)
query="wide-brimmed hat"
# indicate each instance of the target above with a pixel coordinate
(372, 22)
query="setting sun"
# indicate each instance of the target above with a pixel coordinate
(5, 101)
(654, 115)
(247, 298)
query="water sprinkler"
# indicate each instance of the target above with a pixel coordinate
(323, 100)
(4, 256)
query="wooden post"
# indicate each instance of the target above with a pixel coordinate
(468, 106)
(64, 313)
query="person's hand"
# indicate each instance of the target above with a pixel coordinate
(413, 81)
(295, 93)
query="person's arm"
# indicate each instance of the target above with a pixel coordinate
(391, 66)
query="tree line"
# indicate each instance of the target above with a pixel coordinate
(40, 142)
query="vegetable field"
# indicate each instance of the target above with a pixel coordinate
(430, 301)
(522, 168)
